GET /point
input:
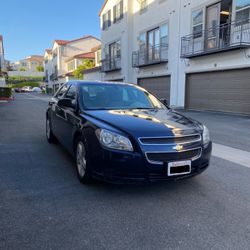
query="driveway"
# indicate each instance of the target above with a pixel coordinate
(43, 206)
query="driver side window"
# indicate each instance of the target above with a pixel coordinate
(62, 91)
(71, 93)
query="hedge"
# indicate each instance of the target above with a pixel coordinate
(21, 79)
(22, 84)
(5, 92)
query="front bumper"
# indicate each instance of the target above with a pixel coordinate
(121, 167)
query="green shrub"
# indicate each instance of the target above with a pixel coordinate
(5, 92)
(20, 79)
(22, 84)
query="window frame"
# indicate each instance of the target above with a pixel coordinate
(106, 20)
(145, 34)
(143, 6)
(67, 91)
(197, 34)
(117, 16)
(59, 91)
(117, 49)
(69, 64)
(244, 8)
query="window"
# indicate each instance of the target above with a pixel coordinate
(62, 91)
(106, 20)
(113, 50)
(116, 97)
(242, 11)
(142, 41)
(158, 36)
(164, 34)
(71, 93)
(143, 5)
(62, 49)
(71, 66)
(118, 11)
(197, 23)
(98, 57)
(54, 54)
(56, 70)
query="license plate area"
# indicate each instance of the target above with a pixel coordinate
(179, 168)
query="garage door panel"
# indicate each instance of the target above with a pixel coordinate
(159, 86)
(227, 91)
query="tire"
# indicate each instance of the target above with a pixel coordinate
(83, 167)
(49, 134)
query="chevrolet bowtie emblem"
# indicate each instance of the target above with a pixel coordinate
(178, 147)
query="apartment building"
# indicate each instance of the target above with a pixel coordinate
(95, 73)
(2, 64)
(1, 55)
(193, 53)
(29, 64)
(65, 56)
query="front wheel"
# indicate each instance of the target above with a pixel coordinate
(82, 163)
(49, 134)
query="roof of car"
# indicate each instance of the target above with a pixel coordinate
(82, 82)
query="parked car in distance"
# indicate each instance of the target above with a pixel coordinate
(36, 89)
(18, 90)
(27, 89)
(120, 132)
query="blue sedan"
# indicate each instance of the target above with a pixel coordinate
(120, 132)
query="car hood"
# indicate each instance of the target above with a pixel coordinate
(155, 122)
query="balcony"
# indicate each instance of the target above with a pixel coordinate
(150, 56)
(230, 36)
(111, 64)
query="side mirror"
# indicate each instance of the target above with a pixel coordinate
(66, 103)
(164, 101)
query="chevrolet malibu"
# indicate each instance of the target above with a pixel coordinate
(120, 132)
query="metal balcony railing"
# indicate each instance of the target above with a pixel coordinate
(111, 64)
(150, 55)
(225, 37)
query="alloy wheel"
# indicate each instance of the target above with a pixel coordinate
(81, 159)
(48, 128)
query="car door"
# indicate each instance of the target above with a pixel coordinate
(57, 113)
(70, 119)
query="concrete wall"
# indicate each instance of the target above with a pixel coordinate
(93, 76)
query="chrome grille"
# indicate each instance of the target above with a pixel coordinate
(170, 140)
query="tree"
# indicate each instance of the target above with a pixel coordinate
(86, 64)
(22, 69)
(40, 68)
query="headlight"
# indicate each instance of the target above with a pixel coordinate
(206, 137)
(112, 140)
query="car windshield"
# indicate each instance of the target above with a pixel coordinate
(117, 96)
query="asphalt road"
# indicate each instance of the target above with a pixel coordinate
(43, 206)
